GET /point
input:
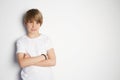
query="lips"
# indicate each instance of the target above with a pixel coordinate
(33, 29)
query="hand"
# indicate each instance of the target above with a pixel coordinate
(27, 56)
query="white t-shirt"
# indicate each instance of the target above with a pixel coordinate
(35, 47)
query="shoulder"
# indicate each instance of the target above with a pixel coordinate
(45, 36)
(21, 39)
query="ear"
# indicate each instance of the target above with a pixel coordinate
(24, 23)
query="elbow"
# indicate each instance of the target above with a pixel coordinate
(21, 65)
(53, 63)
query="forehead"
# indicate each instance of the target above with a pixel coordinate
(32, 20)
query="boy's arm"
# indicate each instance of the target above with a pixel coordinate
(51, 61)
(25, 60)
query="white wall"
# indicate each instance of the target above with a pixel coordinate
(85, 34)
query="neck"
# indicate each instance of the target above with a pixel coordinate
(33, 35)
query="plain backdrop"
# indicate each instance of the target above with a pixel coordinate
(85, 35)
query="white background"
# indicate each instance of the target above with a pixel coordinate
(85, 35)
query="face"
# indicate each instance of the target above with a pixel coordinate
(32, 27)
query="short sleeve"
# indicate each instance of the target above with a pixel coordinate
(49, 44)
(20, 47)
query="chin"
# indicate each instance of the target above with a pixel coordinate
(33, 31)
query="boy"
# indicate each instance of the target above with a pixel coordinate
(35, 52)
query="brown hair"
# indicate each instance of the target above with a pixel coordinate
(33, 14)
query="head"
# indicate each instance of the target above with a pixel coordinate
(33, 19)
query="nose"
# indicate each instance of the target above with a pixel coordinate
(33, 25)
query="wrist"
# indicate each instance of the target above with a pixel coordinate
(45, 57)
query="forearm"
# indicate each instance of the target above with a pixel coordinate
(51, 60)
(30, 61)
(46, 63)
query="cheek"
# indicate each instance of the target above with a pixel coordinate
(28, 27)
(38, 26)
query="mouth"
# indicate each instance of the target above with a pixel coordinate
(33, 29)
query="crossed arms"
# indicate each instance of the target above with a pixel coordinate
(25, 60)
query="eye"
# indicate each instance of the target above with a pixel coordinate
(30, 21)
(37, 22)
